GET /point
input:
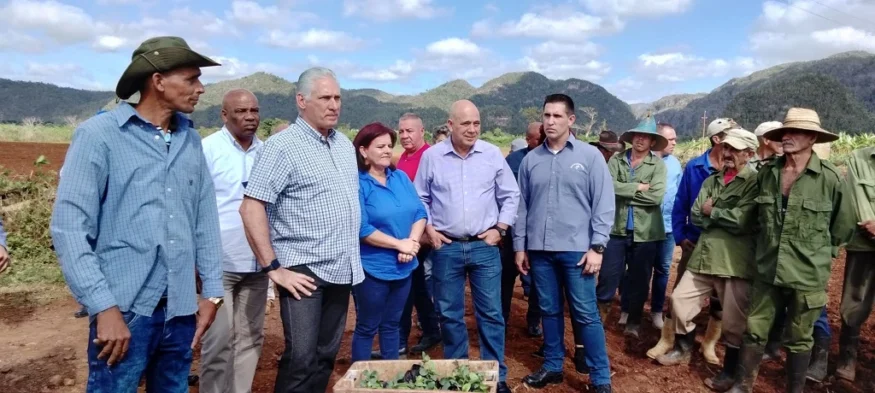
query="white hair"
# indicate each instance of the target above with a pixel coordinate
(310, 76)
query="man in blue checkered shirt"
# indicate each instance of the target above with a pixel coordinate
(301, 215)
(135, 217)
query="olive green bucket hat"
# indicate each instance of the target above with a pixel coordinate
(158, 54)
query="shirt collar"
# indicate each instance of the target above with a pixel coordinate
(448, 146)
(300, 122)
(124, 112)
(366, 176)
(744, 173)
(255, 141)
(649, 159)
(814, 163)
(422, 148)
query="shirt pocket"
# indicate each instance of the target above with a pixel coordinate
(814, 220)
(868, 187)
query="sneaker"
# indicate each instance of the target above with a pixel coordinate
(424, 344)
(624, 316)
(375, 355)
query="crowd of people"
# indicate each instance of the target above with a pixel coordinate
(168, 240)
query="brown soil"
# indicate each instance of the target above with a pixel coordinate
(19, 156)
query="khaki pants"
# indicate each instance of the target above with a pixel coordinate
(858, 294)
(694, 288)
(232, 345)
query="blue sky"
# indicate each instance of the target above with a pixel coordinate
(639, 50)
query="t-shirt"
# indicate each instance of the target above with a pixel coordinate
(409, 163)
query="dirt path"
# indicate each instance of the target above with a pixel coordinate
(38, 344)
(20, 156)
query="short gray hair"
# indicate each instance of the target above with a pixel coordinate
(410, 116)
(308, 77)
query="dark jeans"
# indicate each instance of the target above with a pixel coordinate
(509, 273)
(623, 255)
(381, 303)
(556, 274)
(661, 272)
(481, 264)
(420, 297)
(821, 326)
(159, 350)
(312, 327)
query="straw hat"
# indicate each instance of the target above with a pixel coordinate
(647, 126)
(158, 54)
(804, 120)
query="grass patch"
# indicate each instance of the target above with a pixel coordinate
(44, 133)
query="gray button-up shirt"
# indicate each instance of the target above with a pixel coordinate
(566, 201)
(311, 186)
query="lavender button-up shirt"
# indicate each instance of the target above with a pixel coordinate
(465, 196)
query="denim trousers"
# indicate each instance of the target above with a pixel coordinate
(380, 305)
(480, 263)
(661, 272)
(624, 256)
(556, 274)
(159, 349)
(420, 296)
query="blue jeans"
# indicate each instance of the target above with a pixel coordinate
(661, 271)
(624, 256)
(481, 264)
(421, 289)
(553, 273)
(380, 305)
(159, 350)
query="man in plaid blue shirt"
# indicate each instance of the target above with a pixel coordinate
(135, 217)
(301, 215)
(4, 252)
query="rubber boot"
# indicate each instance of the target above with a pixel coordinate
(849, 342)
(773, 350)
(709, 343)
(666, 340)
(819, 360)
(796, 368)
(682, 351)
(724, 381)
(604, 310)
(749, 358)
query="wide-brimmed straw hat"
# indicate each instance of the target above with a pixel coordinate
(647, 126)
(801, 119)
(609, 141)
(158, 54)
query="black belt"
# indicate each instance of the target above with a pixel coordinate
(464, 239)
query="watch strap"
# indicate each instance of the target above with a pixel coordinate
(274, 265)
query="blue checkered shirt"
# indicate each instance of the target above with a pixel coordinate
(2, 235)
(311, 186)
(135, 217)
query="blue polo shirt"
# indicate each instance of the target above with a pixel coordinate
(697, 170)
(391, 209)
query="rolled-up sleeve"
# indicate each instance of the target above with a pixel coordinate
(208, 257)
(74, 225)
(507, 192)
(603, 201)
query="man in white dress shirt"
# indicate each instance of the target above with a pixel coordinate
(232, 345)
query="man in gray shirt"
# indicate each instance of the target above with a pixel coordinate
(301, 216)
(565, 215)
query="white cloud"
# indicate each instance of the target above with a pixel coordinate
(808, 29)
(18, 42)
(644, 8)
(559, 60)
(60, 22)
(250, 13)
(386, 10)
(233, 67)
(108, 43)
(325, 40)
(398, 71)
(454, 47)
(680, 67)
(560, 24)
(61, 74)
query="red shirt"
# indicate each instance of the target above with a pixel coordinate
(729, 175)
(410, 163)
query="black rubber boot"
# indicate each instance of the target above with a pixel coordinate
(580, 360)
(819, 360)
(849, 342)
(724, 381)
(749, 358)
(796, 368)
(682, 351)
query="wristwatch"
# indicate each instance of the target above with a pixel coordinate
(274, 265)
(502, 232)
(218, 301)
(598, 248)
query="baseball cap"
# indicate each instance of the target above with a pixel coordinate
(518, 144)
(741, 139)
(767, 126)
(720, 125)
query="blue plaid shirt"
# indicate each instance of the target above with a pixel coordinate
(135, 217)
(2, 235)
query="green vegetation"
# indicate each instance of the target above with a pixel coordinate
(36, 132)
(424, 377)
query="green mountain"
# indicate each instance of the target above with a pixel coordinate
(853, 72)
(674, 101)
(501, 101)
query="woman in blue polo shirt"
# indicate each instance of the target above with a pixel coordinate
(393, 219)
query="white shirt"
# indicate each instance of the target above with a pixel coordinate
(230, 166)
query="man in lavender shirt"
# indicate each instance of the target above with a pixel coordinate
(471, 198)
